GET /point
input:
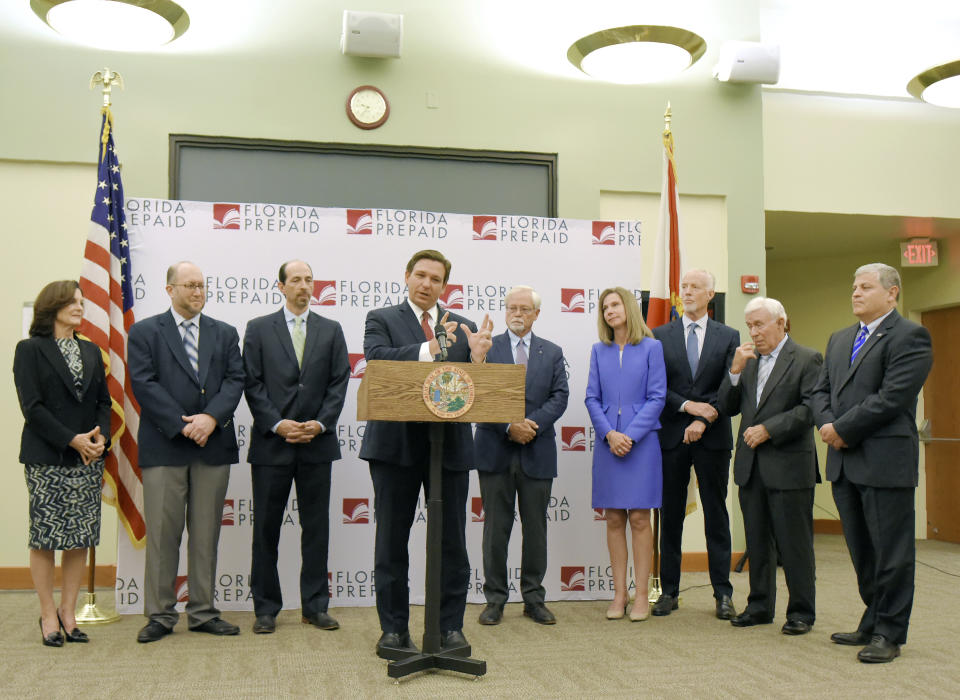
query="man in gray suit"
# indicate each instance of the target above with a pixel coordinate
(769, 384)
(865, 404)
(518, 462)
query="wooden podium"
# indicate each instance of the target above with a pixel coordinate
(438, 393)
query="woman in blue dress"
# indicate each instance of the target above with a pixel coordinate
(625, 395)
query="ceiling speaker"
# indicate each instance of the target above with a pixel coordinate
(372, 34)
(748, 62)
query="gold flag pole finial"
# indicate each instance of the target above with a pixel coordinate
(107, 78)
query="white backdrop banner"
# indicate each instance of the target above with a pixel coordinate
(358, 258)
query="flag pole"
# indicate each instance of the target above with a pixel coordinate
(88, 611)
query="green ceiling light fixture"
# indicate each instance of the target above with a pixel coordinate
(637, 54)
(120, 25)
(939, 85)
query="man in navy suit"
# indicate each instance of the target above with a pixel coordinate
(517, 462)
(399, 455)
(865, 404)
(187, 376)
(697, 351)
(297, 372)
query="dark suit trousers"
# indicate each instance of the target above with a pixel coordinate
(271, 490)
(500, 490)
(779, 520)
(395, 492)
(713, 473)
(878, 525)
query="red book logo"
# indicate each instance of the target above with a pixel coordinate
(360, 222)
(226, 216)
(484, 228)
(572, 301)
(452, 297)
(572, 578)
(358, 364)
(180, 586)
(228, 513)
(476, 509)
(604, 233)
(324, 293)
(599, 514)
(573, 438)
(356, 510)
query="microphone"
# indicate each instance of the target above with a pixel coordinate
(440, 333)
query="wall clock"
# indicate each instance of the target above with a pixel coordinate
(367, 107)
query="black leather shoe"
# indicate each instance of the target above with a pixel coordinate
(74, 635)
(746, 619)
(321, 620)
(539, 613)
(395, 645)
(265, 624)
(725, 609)
(453, 639)
(879, 651)
(54, 639)
(850, 639)
(152, 632)
(796, 627)
(665, 605)
(491, 615)
(216, 626)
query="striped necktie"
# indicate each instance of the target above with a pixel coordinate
(763, 373)
(190, 346)
(299, 339)
(858, 343)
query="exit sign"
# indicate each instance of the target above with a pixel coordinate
(919, 252)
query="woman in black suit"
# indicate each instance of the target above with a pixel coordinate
(66, 408)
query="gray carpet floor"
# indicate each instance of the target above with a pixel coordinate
(689, 654)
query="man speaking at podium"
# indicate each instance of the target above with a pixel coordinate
(399, 454)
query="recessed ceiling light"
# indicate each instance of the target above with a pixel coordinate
(939, 85)
(121, 25)
(636, 54)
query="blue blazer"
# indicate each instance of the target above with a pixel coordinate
(166, 388)
(277, 387)
(719, 344)
(546, 395)
(394, 333)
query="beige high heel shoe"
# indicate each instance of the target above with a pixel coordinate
(640, 616)
(616, 613)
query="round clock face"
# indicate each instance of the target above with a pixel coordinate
(367, 107)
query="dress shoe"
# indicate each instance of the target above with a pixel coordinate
(152, 631)
(74, 635)
(54, 639)
(321, 620)
(216, 626)
(453, 639)
(392, 642)
(725, 609)
(879, 651)
(796, 627)
(850, 639)
(616, 613)
(640, 614)
(265, 624)
(539, 613)
(748, 619)
(665, 605)
(491, 615)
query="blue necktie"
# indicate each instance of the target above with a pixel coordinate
(190, 346)
(693, 352)
(858, 343)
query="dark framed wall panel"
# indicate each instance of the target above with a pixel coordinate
(217, 168)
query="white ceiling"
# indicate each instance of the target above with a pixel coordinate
(864, 47)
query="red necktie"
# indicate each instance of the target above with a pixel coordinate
(425, 324)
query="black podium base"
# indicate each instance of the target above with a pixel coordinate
(447, 660)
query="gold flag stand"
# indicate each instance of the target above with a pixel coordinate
(89, 612)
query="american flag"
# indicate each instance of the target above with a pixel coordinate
(108, 314)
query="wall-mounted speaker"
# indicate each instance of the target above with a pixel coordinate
(372, 34)
(748, 62)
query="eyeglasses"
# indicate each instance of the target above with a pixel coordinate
(525, 310)
(192, 286)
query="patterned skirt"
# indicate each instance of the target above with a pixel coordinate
(64, 505)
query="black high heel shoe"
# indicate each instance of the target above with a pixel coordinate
(54, 639)
(75, 635)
